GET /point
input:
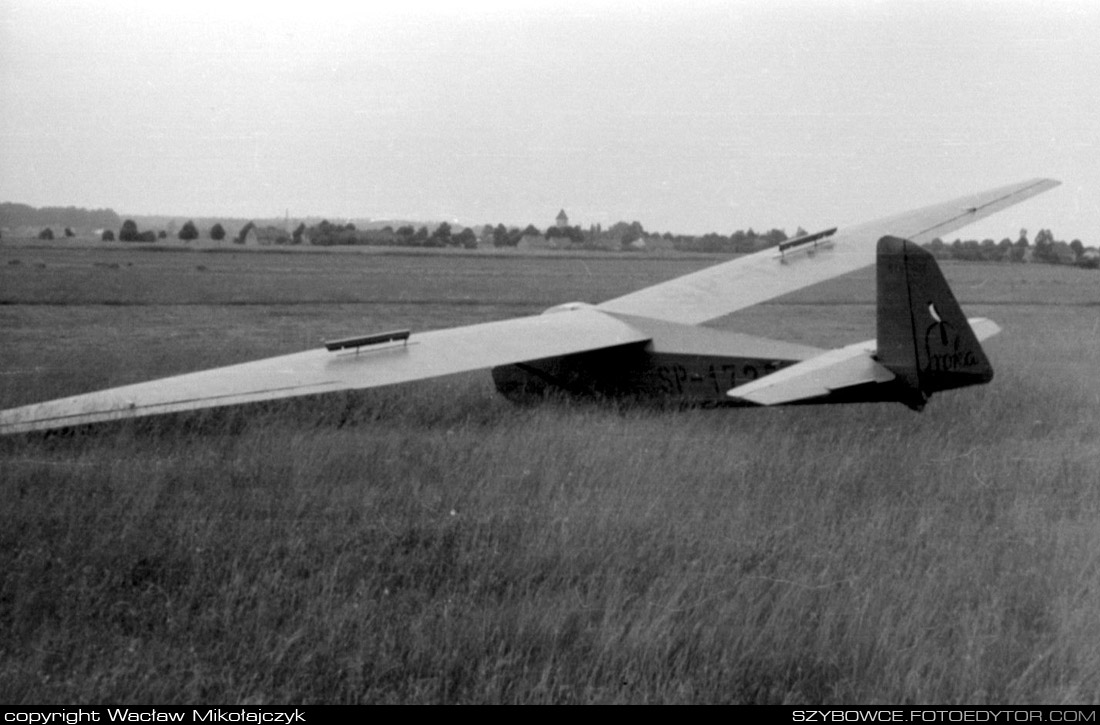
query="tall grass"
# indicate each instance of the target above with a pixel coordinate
(435, 544)
(439, 548)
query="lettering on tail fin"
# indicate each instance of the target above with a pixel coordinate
(943, 346)
(923, 336)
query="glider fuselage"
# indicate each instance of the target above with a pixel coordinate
(679, 364)
(634, 373)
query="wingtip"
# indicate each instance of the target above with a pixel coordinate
(1042, 183)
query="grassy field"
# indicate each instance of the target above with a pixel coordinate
(435, 544)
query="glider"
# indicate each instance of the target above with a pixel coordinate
(648, 344)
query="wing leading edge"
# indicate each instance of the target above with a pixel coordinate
(424, 355)
(767, 274)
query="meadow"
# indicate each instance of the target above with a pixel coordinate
(434, 543)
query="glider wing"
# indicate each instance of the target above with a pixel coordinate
(565, 331)
(769, 273)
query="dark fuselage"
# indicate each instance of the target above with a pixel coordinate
(635, 372)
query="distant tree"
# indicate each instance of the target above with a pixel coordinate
(406, 231)
(217, 232)
(107, 236)
(162, 234)
(188, 232)
(514, 235)
(771, 238)
(148, 236)
(128, 232)
(466, 239)
(46, 233)
(500, 236)
(970, 250)
(243, 234)
(442, 234)
(299, 232)
(1019, 249)
(1077, 247)
(741, 242)
(532, 230)
(1044, 247)
(69, 232)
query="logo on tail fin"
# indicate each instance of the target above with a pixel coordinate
(943, 346)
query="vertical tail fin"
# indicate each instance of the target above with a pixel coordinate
(923, 336)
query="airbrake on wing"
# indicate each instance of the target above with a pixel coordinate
(807, 243)
(377, 338)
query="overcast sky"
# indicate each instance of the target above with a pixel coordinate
(685, 116)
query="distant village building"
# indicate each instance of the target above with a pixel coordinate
(562, 220)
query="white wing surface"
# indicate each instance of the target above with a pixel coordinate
(424, 355)
(755, 278)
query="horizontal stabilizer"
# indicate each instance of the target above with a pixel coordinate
(817, 377)
(823, 375)
(983, 327)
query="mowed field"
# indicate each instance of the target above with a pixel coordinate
(434, 543)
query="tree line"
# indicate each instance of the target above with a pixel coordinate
(1045, 249)
(619, 236)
